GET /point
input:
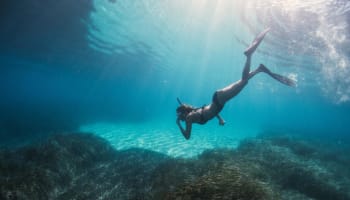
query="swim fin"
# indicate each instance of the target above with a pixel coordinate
(280, 78)
(250, 50)
(283, 79)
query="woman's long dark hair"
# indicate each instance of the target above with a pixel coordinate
(183, 110)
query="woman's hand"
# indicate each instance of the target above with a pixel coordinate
(222, 122)
(178, 121)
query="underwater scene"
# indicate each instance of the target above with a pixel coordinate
(175, 99)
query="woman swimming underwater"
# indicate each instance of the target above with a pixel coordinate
(190, 114)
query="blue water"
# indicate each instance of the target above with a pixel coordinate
(115, 68)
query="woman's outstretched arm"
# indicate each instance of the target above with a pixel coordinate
(186, 133)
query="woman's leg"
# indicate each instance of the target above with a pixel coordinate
(249, 52)
(246, 69)
(233, 89)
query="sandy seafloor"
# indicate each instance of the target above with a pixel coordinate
(166, 137)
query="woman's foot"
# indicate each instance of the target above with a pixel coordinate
(250, 50)
(263, 68)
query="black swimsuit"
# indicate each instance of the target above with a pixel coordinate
(203, 120)
(218, 105)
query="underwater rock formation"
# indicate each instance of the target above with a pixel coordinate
(84, 166)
